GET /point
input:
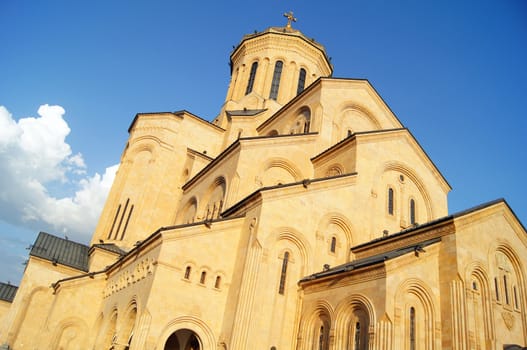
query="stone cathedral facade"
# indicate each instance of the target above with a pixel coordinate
(304, 216)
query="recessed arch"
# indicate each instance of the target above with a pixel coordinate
(416, 180)
(353, 117)
(352, 311)
(414, 293)
(192, 323)
(279, 171)
(68, 332)
(188, 212)
(316, 326)
(340, 221)
(214, 199)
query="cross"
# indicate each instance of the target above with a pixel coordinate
(290, 19)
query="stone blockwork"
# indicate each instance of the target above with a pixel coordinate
(304, 216)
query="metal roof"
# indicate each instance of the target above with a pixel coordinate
(111, 248)
(7, 292)
(371, 260)
(60, 251)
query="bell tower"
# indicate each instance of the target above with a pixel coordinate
(271, 67)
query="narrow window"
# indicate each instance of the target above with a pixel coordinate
(496, 287)
(506, 288)
(203, 276)
(114, 220)
(127, 221)
(321, 339)
(122, 217)
(516, 305)
(250, 83)
(283, 273)
(357, 336)
(301, 81)
(412, 211)
(390, 201)
(187, 272)
(333, 246)
(307, 125)
(276, 80)
(218, 282)
(412, 328)
(220, 207)
(474, 285)
(350, 133)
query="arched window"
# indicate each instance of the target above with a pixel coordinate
(412, 212)
(250, 83)
(301, 81)
(283, 273)
(357, 336)
(506, 288)
(217, 284)
(203, 276)
(333, 245)
(276, 80)
(114, 220)
(321, 338)
(390, 201)
(412, 328)
(187, 272)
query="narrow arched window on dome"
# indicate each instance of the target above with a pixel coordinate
(217, 284)
(390, 201)
(412, 212)
(252, 75)
(412, 328)
(276, 80)
(301, 81)
(203, 276)
(283, 273)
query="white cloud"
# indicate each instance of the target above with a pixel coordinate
(33, 155)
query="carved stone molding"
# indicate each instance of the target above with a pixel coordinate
(129, 276)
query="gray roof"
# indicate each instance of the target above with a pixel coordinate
(371, 260)
(111, 248)
(7, 292)
(245, 112)
(60, 251)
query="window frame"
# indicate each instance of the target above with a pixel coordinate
(275, 83)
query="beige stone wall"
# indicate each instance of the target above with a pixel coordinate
(304, 186)
(492, 247)
(25, 325)
(5, 306)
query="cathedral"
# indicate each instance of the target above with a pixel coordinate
(304, 216)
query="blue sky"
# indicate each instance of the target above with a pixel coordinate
(454, 72)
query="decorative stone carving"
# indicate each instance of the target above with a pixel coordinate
(131, 275)
(508, 318)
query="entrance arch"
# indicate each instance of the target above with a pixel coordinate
(183, 339)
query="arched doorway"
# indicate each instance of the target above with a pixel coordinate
(183, 339)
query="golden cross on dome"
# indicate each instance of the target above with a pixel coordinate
(290, 19)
